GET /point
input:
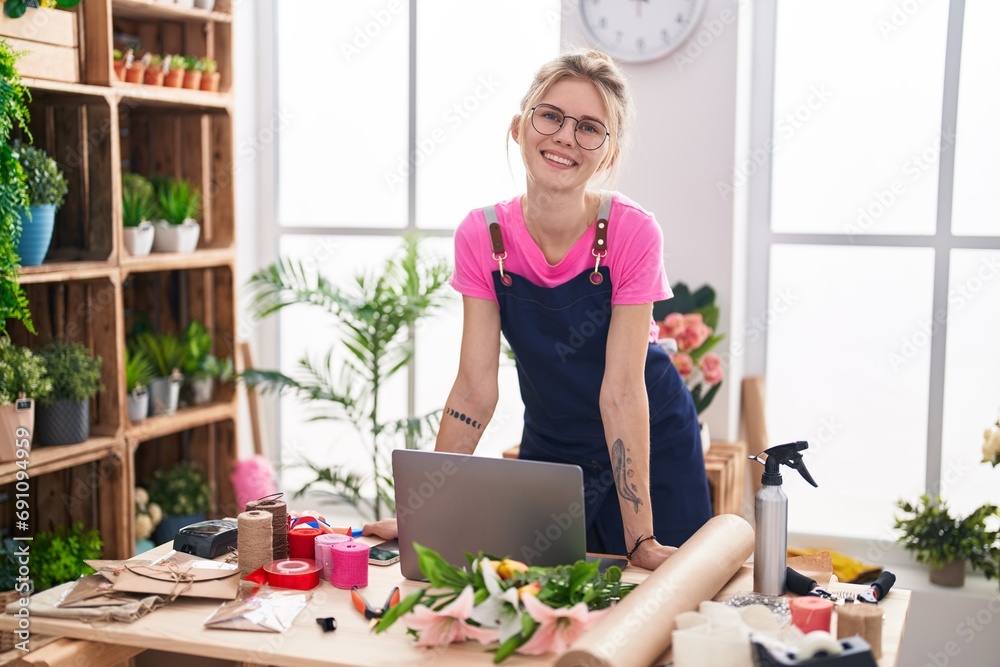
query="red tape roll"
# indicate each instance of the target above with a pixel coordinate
(302, 542)
(299, 573)
(811, 613)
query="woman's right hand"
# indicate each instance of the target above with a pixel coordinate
(386, 529)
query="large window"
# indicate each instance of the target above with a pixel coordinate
(393, 120)
(883, 245)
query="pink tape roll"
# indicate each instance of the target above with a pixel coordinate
(350, 565)
(324, 554)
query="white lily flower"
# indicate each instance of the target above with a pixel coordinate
(501, 610)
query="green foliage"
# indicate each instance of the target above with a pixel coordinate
(21, 371)
(74, 373)
(14, 98)
(15, 9)
(46, 182)
(56, 557)
(375, 316)
(164, 351)
(177, 200)
(117, 54)
(138, 202)
(213, 367)
(180, 490)
(935, 537)
(207, 65)
(139, 370)
(197, 344)
(684, 301)
(179, 62)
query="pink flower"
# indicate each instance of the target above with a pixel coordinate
(557, 628)
(694, 335)
(683, 364)
(711, 368)
(440, 628)
(672, 325)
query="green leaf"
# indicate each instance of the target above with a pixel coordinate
(14, 8)
(508, 647)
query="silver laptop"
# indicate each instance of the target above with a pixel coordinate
(453, 503)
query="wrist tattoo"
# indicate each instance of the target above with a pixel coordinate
(462, 417)
(621, 467)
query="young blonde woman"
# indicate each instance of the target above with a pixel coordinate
(569, 275)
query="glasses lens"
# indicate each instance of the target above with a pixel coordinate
(546, 119)
(590, 134)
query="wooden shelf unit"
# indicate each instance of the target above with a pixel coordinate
(90, 290)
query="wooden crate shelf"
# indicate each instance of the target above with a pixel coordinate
(53, 459)
(60, 272)
(157, 261)
(151, 9)
(170, 98)
(185, 419)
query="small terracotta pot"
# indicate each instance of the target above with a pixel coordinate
(210, 81)
(192, 79)
(135, 74)
(120, 70)
(174, 78)
(154, 77)
(951, 574)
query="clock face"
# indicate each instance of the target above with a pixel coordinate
(640, 30)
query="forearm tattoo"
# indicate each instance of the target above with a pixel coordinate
(621, 466)
(462, 417)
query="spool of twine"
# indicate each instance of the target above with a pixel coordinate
(810, 613)
(324, 553)
(253, 540)
(302, 542)
(861, 619)
(350, 565)
(279, 524)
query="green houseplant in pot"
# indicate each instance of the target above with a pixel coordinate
(183, 496)
(139, 373)
(201, 367)
(22, 379)
(948, 543)
(14, 113)
(177, 230)
(167, 356)
(138, 211)
(46, 193)
(64, 413)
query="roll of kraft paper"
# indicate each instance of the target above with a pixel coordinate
(638, 629)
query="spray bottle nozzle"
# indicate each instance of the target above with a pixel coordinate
(788, 454)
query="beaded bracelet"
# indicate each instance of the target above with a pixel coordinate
(639, 541)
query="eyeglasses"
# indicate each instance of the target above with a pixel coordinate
(590, 134)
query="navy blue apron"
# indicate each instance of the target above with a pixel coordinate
(559, 337)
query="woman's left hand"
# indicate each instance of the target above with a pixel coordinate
(651, 554)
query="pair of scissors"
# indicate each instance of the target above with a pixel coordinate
(373, 613)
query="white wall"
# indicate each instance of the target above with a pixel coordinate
(684, 145)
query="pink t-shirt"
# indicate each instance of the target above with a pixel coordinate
(635, 246)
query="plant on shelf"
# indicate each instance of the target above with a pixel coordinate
(376, 317)
(14, 114)
(167, 356)
(147, 517)
(138, 211)
(528, 610)
(23, 379)
(15, 9)
(155, 72)
(179, 203)
(183, 495)
(947, 543)
(210, 75)
(47, 190)
(177, 65)
(192, 73)
(56, 557)
(201, 367)
(139, 373)
(64, 413)
(118, 58)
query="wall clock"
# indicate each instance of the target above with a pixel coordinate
(640, 30)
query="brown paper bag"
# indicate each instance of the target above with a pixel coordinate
(17, 425)
(157, 577)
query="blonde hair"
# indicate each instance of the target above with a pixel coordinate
(600, 70)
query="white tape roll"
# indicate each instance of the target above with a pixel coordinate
(815, 643)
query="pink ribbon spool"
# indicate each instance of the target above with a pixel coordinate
(811, 613)
(324, 553)
(350, 565)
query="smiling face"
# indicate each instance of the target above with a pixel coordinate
(557, 162)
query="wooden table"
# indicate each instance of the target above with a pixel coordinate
(178, 627)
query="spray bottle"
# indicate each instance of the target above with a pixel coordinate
(771, 517)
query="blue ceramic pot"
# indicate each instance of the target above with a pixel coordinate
(36, 234)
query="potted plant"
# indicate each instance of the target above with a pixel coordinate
(22, 380)
(167, 356)
(175, 67)
(201, 367)
(154, 71)
(15, 9)
(147, 517)
(135, 70)
(210, 75)
(46, 193)
(182, 493)
(64, 412)
(207, 5)
(947, 543)
(56, 557)
(138, 210)
(139, 373)
(192, 73)
(14, 113)
(119, 64)
(177, 230)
